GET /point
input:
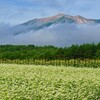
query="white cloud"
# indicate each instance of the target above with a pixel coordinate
(57, 35)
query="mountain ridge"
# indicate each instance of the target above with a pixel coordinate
(59, 30)
(40, 23)
(75, 18)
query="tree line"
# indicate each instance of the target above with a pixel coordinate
(84, 51)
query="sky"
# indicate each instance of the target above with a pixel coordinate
(14, 12)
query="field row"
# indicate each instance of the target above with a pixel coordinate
(73, 62)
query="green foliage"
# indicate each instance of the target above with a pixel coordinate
(24, 82)
(85, 51)
(98, 54)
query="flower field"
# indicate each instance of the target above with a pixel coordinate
(31, 82)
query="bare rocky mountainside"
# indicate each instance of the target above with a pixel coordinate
(59, 30)
(60, 18)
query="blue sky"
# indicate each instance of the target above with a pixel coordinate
(18, 11)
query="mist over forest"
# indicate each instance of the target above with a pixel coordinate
(60, 35)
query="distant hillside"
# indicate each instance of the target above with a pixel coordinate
(37, 24)
(59, 30)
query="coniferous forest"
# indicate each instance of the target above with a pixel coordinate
(84, 51)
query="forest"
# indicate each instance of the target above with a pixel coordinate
(84, 51)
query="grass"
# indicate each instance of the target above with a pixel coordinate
(29, 82)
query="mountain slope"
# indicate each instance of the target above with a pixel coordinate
(37, 24)
(59, 30)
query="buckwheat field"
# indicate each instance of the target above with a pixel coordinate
(30, 82)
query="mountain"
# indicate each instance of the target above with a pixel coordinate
(59, 30)
(37, 24)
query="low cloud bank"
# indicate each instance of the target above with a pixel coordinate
(58, 35)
